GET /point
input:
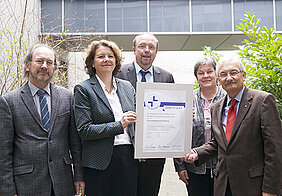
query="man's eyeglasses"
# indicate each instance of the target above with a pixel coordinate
(144, 46)
(232, 74)
(41, 62)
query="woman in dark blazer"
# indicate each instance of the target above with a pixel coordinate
(105, 113)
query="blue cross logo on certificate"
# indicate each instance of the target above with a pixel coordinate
(152, 102)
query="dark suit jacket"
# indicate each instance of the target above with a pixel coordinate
(32, 159)
(252, 158)
(95, 120)
(160, 75)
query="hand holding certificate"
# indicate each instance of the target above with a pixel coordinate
(164, 120)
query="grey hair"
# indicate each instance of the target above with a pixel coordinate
(150, 34)
(229, 59)
(28, 57)
(206, 60)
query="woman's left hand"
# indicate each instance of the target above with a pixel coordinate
(127, 118)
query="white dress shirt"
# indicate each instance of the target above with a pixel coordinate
(117, 110)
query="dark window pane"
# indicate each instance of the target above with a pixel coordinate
(169, 16)
(127, 16)
(211, 15)
(262, 9)
(85, 15)
(51, 15)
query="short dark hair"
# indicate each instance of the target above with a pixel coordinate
(206, 60)
(28, 57)
(90, 54)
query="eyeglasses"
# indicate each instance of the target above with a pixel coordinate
(232, 74)
(144, 46)
(202, 74)
(41, 62)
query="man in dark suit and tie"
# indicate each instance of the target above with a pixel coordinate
(39, 141)
(247, 137)
(145, 47)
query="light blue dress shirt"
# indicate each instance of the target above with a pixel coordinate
(149, 76)
(34, 90)
(228, 103)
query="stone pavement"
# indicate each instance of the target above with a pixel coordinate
(171, 185)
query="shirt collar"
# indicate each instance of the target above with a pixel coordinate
(103, 85)
(238, 96)
(34, 88)
(138, 68)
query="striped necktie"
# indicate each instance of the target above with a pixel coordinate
(45, 117)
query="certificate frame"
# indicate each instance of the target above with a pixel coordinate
(158, 132)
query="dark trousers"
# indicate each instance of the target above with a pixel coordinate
(228, 190)
(200, 184)
(119, 179)
(149, 178)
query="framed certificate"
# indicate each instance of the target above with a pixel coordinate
(164, 120)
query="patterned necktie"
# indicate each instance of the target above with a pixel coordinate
(231, 115)
(45, 117)
(143, 73)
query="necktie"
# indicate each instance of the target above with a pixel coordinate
(45, 117)
(143, 73)
(231, 115)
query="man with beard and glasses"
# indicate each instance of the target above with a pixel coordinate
(39, 142)
(145, 48)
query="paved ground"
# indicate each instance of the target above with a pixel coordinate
(171, 185)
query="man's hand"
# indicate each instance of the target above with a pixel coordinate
(183, 175)
(80, 186)
(190, 157)
(267, 194)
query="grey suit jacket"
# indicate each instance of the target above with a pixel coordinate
(96, 123)
(160, 75)
(251, 161)
(32, 159)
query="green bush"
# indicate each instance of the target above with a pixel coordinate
(261, 54)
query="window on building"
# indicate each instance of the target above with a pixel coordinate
(211, 15)
(127, 15)
(84, 16)
(262, 9)
(278, 15)
(51, 16)
(169, 16)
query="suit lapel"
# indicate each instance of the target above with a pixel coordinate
(124, 105)
(99, 91)
(29, 103)
(242, 111)
(121, 93)
(219, 110)
(156, 74)
(131, 74)
(55, 103)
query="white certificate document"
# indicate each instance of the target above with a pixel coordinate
(164, 120)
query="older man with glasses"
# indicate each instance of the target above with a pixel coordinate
(247, 137)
